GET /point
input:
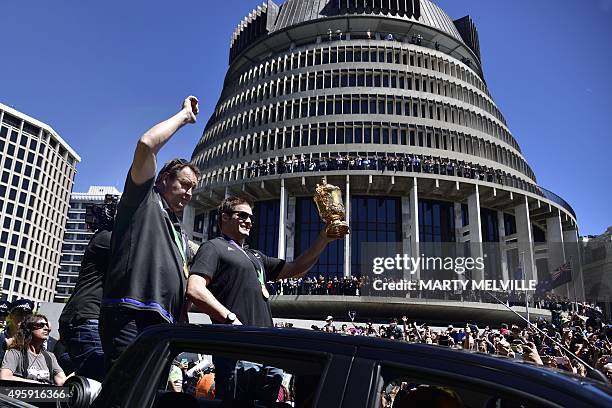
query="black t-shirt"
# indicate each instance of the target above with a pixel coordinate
(234, 281)
(146, 267)
(85, 300)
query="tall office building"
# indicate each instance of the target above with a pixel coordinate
(388, 101)
(76, 238)
(38, 169)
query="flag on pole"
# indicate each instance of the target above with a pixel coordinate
(543, 286)
(561, 275)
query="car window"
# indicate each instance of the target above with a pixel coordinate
(197, 377)
(404, 388)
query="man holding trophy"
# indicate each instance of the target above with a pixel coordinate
(227, 279)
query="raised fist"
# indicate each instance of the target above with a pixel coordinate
(190, 105)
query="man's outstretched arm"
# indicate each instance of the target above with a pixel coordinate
(306, 260)
(144, 163)
(203, 299)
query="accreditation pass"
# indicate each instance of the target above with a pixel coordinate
(45, 393)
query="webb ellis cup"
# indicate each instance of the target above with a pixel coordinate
(329, 203)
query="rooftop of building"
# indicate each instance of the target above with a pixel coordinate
(14, 112)
(95, 193)
(605, 237)
(294, 12)
(271, 17)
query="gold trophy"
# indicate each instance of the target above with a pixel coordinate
(329, 203)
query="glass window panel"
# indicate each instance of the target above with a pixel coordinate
(307, 230)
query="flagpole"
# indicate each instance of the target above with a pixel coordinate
(526, 291)
(573, 282)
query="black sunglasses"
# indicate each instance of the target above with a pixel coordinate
(37, 326)
(243, 215)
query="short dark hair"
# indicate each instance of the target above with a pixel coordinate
(228, 204)
(174, 166)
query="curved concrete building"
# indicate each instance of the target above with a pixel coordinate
(386, 99)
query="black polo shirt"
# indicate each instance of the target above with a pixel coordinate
(146, 268)
(233, 279)
(85, 300)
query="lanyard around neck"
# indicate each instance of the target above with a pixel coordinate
(256, 264)
(178, 237)
(178, 240)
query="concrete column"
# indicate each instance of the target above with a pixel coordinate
(406, 225)
(414, 225)
(572, 254)
(281, 220)
(475, 231)
(458, 222)
(501, 231)
(347, 239)
(290, 229)
(525, 239)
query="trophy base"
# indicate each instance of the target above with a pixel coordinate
(337, 229)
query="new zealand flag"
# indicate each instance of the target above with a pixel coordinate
(561, 275)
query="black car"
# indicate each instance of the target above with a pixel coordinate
(331, 370)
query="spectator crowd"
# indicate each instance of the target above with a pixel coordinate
(383, 163)
(576, 334)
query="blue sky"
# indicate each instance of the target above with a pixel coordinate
(101, 73)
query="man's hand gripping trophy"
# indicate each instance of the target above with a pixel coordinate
(329, 203)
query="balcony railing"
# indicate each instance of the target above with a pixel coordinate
(555, 198)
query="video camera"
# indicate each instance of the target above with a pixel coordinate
(102, 216)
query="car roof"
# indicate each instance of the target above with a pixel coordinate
(349, 345)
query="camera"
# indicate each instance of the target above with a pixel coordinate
(102, 216)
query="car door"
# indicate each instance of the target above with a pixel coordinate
(319, 369)
(469, 380)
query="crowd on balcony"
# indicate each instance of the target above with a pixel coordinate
(383, 163)
(317, 286)
(357, 286)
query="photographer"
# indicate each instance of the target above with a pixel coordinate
(78, 323)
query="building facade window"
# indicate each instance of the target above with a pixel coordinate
(264, 233)
(509, 224)
(490, 230)
(436, 221)
(331, 261)
(373, 219)
(213, 224)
